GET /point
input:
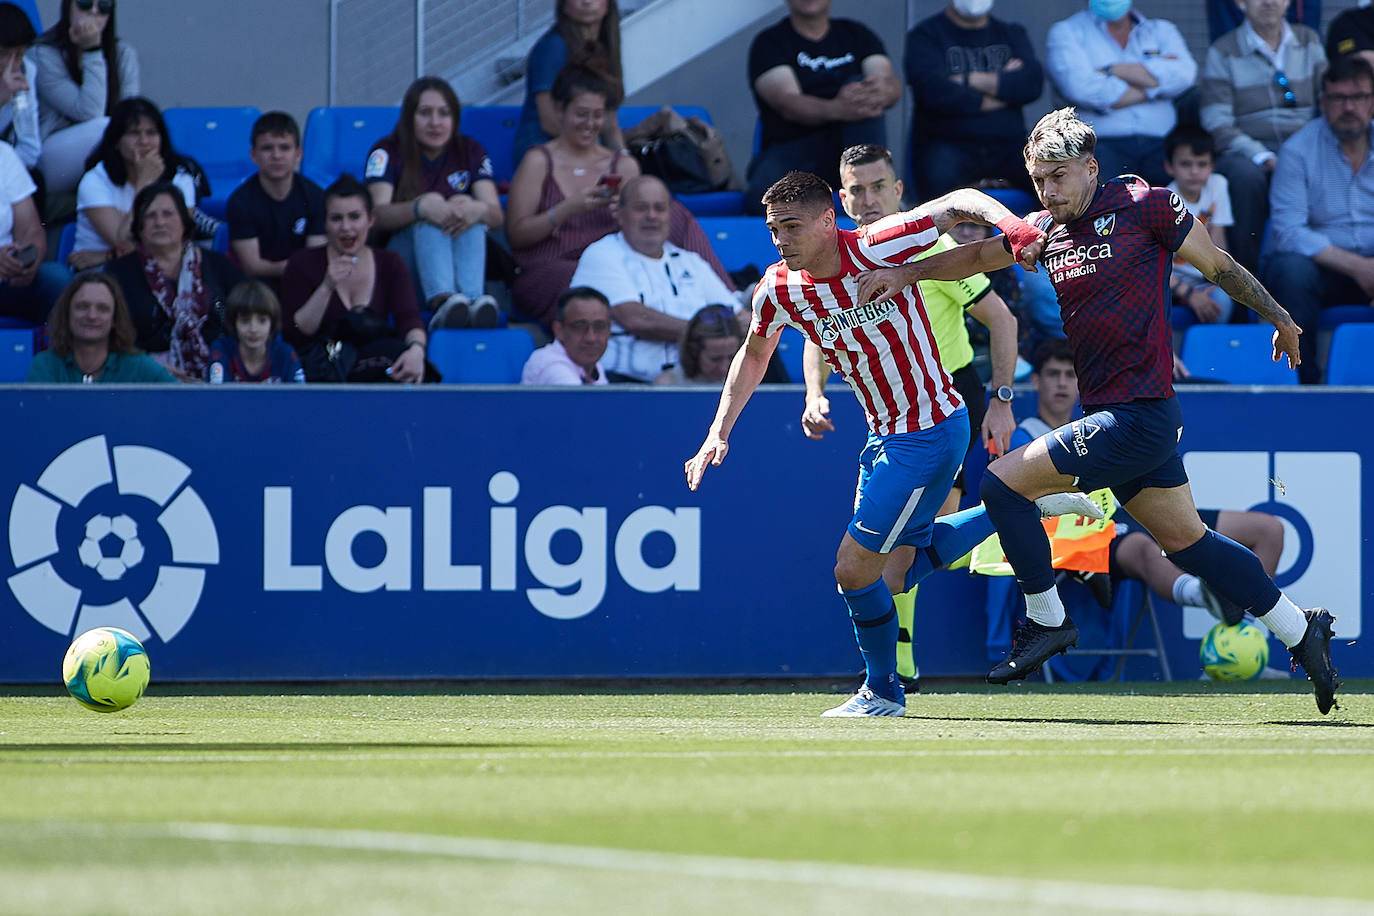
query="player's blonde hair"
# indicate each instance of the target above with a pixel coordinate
(1058, 137)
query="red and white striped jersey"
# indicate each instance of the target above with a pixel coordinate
(885, 352)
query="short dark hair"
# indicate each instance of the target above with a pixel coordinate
(275, 122)
(865, 153)
(579, 292)
(1346, 69)
(144, 199)
(800, 188)
(251, 297)
(122, 335)
(572, 80)
(1191, 136)
(16, 28)
(347, 186)
(1051, 348)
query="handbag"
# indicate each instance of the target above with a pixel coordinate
(361, 348)
(686, 153)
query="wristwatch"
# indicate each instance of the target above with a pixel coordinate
(1004, 394)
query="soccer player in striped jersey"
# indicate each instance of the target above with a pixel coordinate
(918, 426)
(1109, 246)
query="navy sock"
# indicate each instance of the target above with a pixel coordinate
(1230, 570)
(953, 536)
(1024, 541)
(875, 627)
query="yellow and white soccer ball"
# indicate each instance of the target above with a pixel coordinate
(106, 669)
(1237, 653)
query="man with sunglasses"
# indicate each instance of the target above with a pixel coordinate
(1321, 244)
(1259, 87)
(654, 287)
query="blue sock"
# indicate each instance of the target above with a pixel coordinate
(953, 536)
(1023, 539)
(875, 627)
(1231, 570)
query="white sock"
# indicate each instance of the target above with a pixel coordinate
(1286, 621)
(1188, 590)
(1046, 608)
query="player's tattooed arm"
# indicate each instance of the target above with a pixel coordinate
(1241, 285)
(965, 205)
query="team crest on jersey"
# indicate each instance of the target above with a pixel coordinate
(1105, 224)
(458, 180)
(831, 326)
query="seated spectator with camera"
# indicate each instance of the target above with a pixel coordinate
(278, 211)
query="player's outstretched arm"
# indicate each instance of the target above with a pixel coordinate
(957, 263)
(965, 205)
(815, 416)
(1218, 266)
(746, 371)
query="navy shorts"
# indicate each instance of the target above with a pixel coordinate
(1126, 447)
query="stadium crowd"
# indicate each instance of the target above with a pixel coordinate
(1266, 141)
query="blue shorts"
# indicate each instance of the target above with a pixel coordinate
(1127, 447)
(903, 481)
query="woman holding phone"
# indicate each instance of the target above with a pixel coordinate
(562, 199)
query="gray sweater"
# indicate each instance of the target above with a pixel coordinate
(62, 102)
(1242, 102)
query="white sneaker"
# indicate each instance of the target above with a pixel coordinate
(865, 703)
(1057, 504)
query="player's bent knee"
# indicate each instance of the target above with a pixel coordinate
(995, 492)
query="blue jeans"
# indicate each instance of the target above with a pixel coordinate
(33, 302)
(444, 265)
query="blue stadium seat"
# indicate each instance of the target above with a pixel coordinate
(1348, 363)
(219, 140)
(1235, 353)
(1334, 316)
(1014, 199)
(493, 126)
(338, 139)
(16, 352)
(473, 357)
(740, 241)
(31, 7)
(65, 243)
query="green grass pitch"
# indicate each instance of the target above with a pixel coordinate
(1122, 798)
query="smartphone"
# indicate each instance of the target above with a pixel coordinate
(612, 182)
(26, 255)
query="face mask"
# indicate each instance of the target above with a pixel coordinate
(1110, 10)
(971, 9)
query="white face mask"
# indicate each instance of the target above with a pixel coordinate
(971, 9)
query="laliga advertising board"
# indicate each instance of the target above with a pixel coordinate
(336, 533)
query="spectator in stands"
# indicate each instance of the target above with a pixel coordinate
(1259, 85)
(581, 329)
(653, 286)
(176, 290)
(1321, 250)
(970, 74)
(29, 283)
(821, 86)
(252, 350)
(433, 189)
(18, 74)
(83, 70)
(1123, 71)
(1188, 160)
(1352, 32)
(92, 338)
(561, 195)
(278, 211)
(712, 338)
(353, 299)
(134, 152)
(586, 34)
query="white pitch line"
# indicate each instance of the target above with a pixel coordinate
(1019, 892)
(76, 757)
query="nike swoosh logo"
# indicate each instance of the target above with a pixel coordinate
(860, 526)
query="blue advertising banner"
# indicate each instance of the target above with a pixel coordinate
(327, 532)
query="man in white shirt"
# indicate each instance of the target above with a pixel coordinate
(581, 327)
(29, 285)
(1123, 72)
(653, 286)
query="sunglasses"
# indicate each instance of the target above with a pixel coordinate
(1289, 99)
(104, 7)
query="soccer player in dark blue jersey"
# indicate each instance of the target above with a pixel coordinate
(1108, 251)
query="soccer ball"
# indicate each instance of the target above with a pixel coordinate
(1237, 653)
(105, 669)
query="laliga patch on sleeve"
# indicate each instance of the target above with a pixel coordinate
(376, 164)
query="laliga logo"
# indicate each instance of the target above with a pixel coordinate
(72, 506)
